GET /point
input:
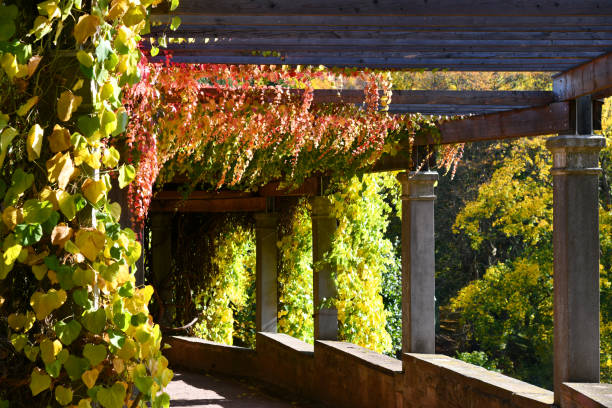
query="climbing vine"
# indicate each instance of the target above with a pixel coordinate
(74, 328)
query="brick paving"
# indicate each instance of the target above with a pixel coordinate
(203, 390)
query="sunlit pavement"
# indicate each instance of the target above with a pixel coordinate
(203, 390)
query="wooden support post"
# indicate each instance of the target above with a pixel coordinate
(161, 252)
(576, 255)
(266, 251)
(324, 287)
(418, 262)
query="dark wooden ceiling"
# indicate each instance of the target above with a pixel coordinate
(459, 35)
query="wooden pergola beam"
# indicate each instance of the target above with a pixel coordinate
(591, 78)
(214, 205)
(543, 120)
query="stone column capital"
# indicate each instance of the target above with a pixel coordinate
(575, 154)
(267, 220)
(418, 185)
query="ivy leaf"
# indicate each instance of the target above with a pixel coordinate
(90, 242)
(20, 182)
(122, 121)
(85, 27)
(60, 169)
(59, 139)
(39, 381)
(81, 298)
(94, 321)
(127, 173)
(88, 125)
(67, 332)
(142, 380)
(44, 303)
(25, 108)
(63, 395)
(127, 290)
(28, 234)
(94, 190)
(34, 142)
(39, 271)
(116, 338)
(94, 353)
(49, 349)
(174, 4)
(37, 212)
(175, 23)
(162, 401)
(51, 222)
(67, 204)
(83, 277)
(6, 137)
(154, 51)
(75, 366)
(60, 234)
(31, 352)
(90, 377)
(67, 104)
(112, 397)
(103, 50)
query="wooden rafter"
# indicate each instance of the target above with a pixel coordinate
(591, 78)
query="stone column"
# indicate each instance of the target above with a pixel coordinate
(266, 237)
(418, 262)
(161, 254)
(324, 287)
(576, 258)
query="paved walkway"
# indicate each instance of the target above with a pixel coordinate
(203, 390)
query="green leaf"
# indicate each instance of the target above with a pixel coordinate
(28, 234)
(39, 381)
(37, 212)
(162, 401)
(127, 173)
(63, 395)
(95, 354)
(81, 298)
(7, 28)
(75, 367)
(176, 22)
(94, 321)
(138, 319)
(64, 276)
(154, 51)
(116, 338)
(122, 121)
(20, 182)
(174, 4)
(88, 125)
(127, 290)
(67, 332)
(52, 262)
(103, 50)
(51, 222)
(53, 368)
(112, 397)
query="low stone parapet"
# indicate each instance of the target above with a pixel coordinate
(433, 380)
(586, 395)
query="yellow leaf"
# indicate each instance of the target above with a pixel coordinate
(35, 137)
(67, 204)
(94, 190)
(67, 104)
(90, 377)
(49, 349)
(49, 195)
(86, 27)
(110, 158)
(12, 217)
(59, 139)
(8, 62)
(85, 58)
(60, 169)
(6, 137)
(84, 403)
(49, 8)
(25, 108)
(39, 381)
(90, 242)
(44, 303)
(60, 234)
(39, 271)
(118, 9)
(63, 395)
(118, 365)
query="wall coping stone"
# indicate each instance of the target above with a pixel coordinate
(380, 362)
(491, 381)
(587, 395)
(289, 342)
(221, 346)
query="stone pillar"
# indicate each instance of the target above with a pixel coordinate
(266, 237)
(576, 258)
(324, 287)
(161, 254)
(418, 262)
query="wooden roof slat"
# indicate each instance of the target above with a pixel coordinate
(398, 7)
(249, 204)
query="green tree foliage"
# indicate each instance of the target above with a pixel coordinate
(509, 310)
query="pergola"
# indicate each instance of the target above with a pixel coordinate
(571, 38)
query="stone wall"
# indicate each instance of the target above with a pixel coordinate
(345, 375)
